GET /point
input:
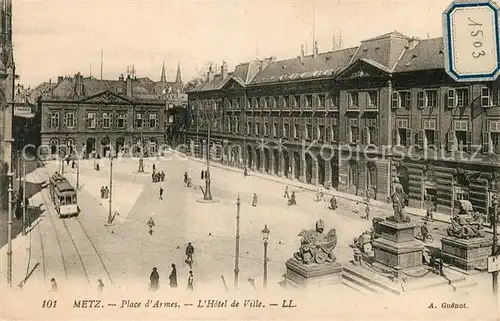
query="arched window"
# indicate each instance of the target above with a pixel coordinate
(352, 175)
(70, 144)
(153, 146)
(54, 146)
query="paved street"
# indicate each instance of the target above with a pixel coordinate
(81, 250)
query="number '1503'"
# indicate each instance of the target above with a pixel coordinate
(476, 33)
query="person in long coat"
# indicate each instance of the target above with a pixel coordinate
(254, 201)
(202, 174)
(173, 277)
(190, 281)
(154, 279)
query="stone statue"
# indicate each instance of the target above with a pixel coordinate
(467, 223)
(316, 247)
(398, 199)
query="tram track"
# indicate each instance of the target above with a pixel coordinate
(82, 249)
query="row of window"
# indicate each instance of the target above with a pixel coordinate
(455, 97)
(107, 120)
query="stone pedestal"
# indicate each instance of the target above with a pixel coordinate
(306, 276)
(466, 254)
(396, 250)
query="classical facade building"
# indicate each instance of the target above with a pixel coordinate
(354, 119)
(7, 83)
(95, 115)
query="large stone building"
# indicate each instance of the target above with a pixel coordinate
(354, 119)
(7, 82)
(94, 115)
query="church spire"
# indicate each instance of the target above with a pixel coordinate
(163, 74)
(178, 78)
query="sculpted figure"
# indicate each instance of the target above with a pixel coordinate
(316, 247)
(398, 199)
(466, 224)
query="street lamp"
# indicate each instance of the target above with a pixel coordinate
(494, 248)
(237, 255)
(110, 217)
(265, 238)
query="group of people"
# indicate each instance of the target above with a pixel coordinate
(187, 180)
(357, 210)
(157, 176)
(291, 198)
(205, 174)
(154, 278)
(104, 192)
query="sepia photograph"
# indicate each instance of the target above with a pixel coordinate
(249, 160)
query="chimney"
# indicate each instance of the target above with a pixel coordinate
(315, 51)
(60, 79)
(121, 78)
(79, 84)
(210, 74)
(223, 70)
(301, 52)
(129, 86)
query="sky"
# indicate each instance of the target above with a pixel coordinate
(62, 37)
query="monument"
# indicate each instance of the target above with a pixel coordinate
(314, 264)
(466, 245)
(396, 250)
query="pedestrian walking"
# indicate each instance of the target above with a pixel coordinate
(189, 255)
(185, 177)
(100, 285)
(154, 167)
(430, 213)
(333, 203)
(292, 200)
(173, 277)
(53, 285)
(154, 280)
(153, 177)
(190, 281)
(202, 174)
(355, 210)
(161, 193)
(254, 201)
(245, 172)
(367, 212)
(102, 192)
(106, 192)
(73, 163)
(162, 176)
(286, 195)
(151, 224)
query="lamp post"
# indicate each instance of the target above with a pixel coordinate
(237, 255)
(265, 238)
(495, 186)
(77, 172)
(23, 203)
(110, 216)
(141, 157)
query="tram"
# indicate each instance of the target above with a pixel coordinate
(63, 196)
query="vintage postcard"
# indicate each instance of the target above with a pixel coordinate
(241, 160)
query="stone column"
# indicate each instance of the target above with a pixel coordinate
(254, 159)
(314, 178)
(291, 160)
(302, 176)
(281, 170)
(271, 162)
(262, 161)
(328, 173)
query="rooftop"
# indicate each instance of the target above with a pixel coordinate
(392, 52)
